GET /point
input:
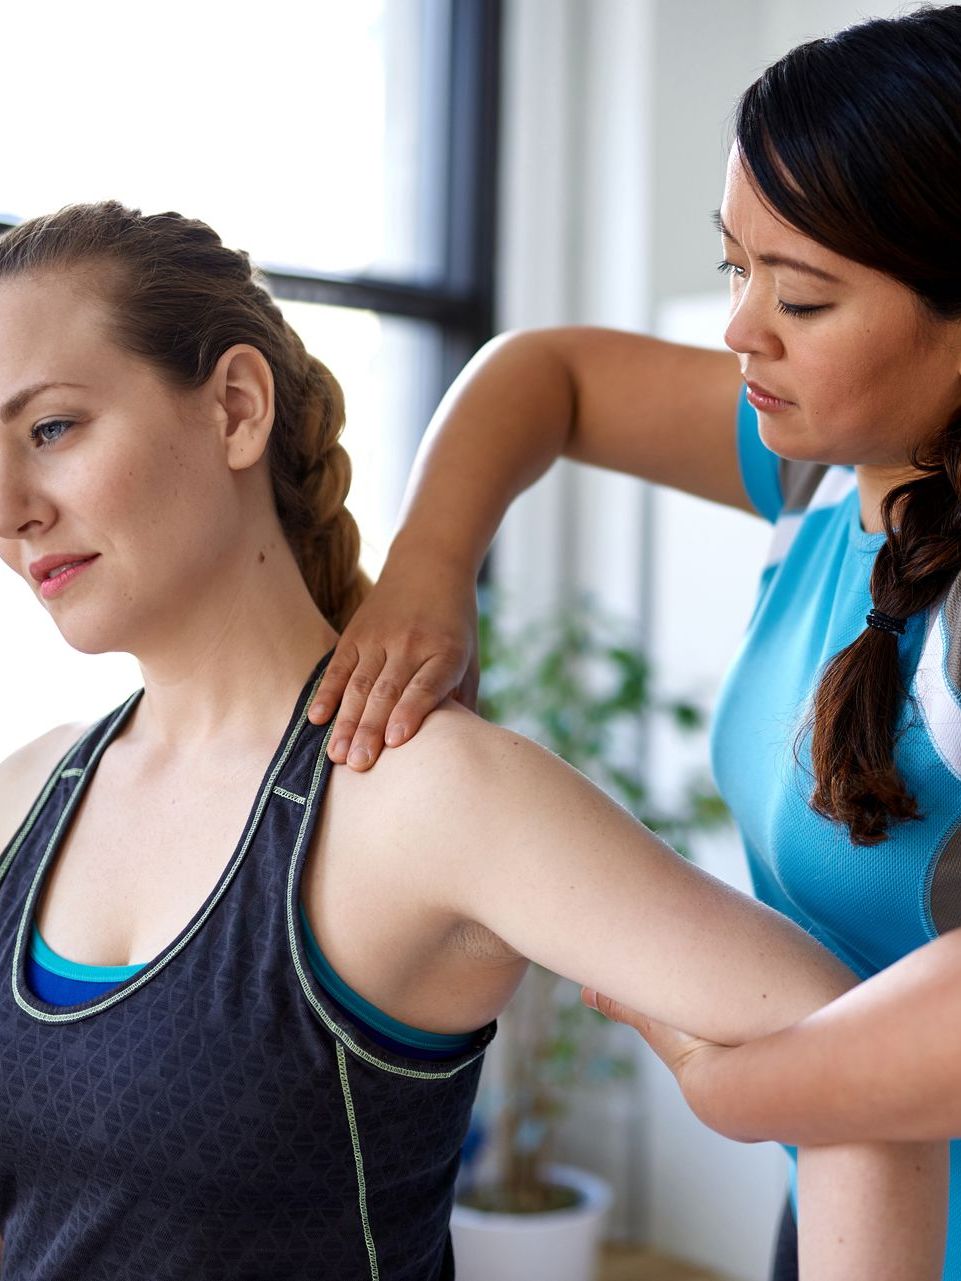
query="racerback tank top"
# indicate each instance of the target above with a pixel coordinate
(216, 1115)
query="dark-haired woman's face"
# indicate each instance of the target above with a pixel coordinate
(866, 374)
(110, 468)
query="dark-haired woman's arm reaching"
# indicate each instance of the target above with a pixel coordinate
(879, 1062)
(659, 410)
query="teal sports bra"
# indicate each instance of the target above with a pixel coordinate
(60, 981)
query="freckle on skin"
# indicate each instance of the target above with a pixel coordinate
(261, 557)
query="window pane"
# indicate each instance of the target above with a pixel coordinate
(390, 372)
(310, 135)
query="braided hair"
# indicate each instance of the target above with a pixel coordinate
(179, 298)
(855, 139)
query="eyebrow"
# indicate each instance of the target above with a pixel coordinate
(16, 404)
(776, 260)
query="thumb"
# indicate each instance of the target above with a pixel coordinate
(614, 1010)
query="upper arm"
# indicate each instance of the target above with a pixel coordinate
(506, 834)
(24, 772)
(660, 410)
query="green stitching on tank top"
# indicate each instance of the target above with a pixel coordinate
(146, 974)
(335, 1028)
(71, 773)
(291, 796)
(24, 831)
(358, 1161)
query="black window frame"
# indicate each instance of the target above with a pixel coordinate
(459, 302)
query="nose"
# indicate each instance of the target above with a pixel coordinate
(21, 512)
(749, 331)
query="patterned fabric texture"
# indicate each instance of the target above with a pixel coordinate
(216, 1115)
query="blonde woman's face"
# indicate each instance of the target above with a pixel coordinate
(114, 466)
(866, 375)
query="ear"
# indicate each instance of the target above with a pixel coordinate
(242, 385)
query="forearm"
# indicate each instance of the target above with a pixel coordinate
(879, 1063)
(505, 419)
(872, 1212)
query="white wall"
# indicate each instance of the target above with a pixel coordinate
(45, 682)
(577, 89)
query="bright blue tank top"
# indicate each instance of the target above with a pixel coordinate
(216, 1114)
(869, 904)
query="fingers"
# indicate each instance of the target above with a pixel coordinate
(404, 651)
(613, 1010)
(334, 682)
(656, 1034)
(387, 705)
(371, 693)
(425, 689)
(672, 1046)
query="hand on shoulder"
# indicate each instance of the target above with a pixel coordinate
(456, 763)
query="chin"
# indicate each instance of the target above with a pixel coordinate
(87, 641)
(792, 443)
(92, 649)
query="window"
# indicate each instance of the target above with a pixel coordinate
(350, 149)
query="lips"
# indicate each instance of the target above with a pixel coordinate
(39, 569)
(764, 391)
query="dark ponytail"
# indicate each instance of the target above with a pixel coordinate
(855, 139)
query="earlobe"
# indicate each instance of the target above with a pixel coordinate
(244, 386)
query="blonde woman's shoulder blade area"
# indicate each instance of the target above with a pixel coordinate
(663, 411)
(24, 772)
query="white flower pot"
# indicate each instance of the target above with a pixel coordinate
(558, 1245)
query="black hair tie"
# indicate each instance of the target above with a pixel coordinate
(885, 622)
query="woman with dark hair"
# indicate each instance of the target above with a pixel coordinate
(248, 1048)
(837, 737)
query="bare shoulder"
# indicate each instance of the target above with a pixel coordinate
(453, 741)
(426, 819)
(24, 772)
(456, 779)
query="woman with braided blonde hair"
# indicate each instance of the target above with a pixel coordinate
(249, 1047)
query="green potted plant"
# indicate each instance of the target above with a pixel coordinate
(578, 683)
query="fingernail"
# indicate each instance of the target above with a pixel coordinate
(318, 712)
(359, 756)
(396, 734)
(339, 747)
(589, 997)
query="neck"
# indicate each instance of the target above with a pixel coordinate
(874, 483)
(223, 671)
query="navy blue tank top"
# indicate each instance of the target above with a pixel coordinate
(216, 1114)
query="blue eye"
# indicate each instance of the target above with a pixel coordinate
(42, 442)
(727, 267)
